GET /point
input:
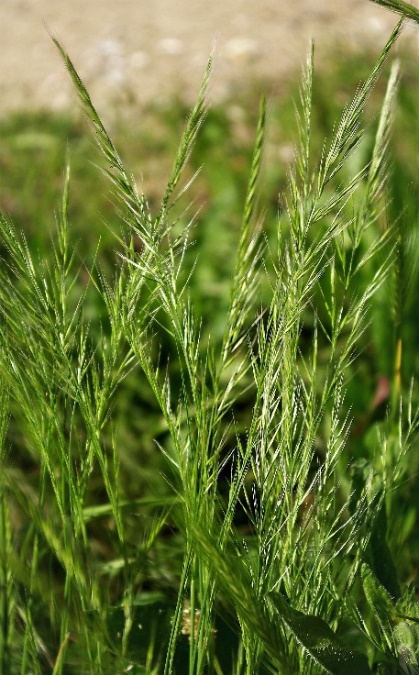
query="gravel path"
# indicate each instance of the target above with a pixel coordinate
(148, 50)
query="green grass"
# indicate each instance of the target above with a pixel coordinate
(197, 475)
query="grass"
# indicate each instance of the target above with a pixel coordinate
(208, 460)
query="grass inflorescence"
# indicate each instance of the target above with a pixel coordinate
(193, 483)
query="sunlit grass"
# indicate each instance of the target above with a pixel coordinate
(208, 417)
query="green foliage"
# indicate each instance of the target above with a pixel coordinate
(320, 642)
(164, 466)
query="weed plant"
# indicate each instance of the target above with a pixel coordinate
(255, 535)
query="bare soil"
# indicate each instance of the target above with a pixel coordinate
(150, 50)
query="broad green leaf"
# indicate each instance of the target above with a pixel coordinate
(377, 596)
(325, 647)
(408, 607)
(382, 560)
(407, 640)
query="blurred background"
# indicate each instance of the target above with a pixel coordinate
(149, 51)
